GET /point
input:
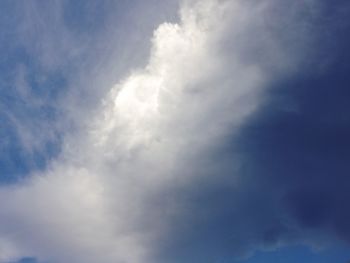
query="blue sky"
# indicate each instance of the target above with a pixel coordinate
(301, 254)
(174, 131)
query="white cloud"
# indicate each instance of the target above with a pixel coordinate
(97, 201)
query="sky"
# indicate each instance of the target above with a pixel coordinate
(174, 131)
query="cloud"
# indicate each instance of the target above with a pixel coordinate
(144, 175)
(7, 251)
(283, 177)
(48, 52)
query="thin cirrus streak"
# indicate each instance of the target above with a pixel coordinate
(96, 202)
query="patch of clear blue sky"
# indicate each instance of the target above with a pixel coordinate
(14, 161)
(27, 260)
(301, 254)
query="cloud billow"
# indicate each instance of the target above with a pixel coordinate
(189, 158)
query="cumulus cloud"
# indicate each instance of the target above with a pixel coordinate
(119, 190)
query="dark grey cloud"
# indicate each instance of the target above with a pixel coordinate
(291, 158)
